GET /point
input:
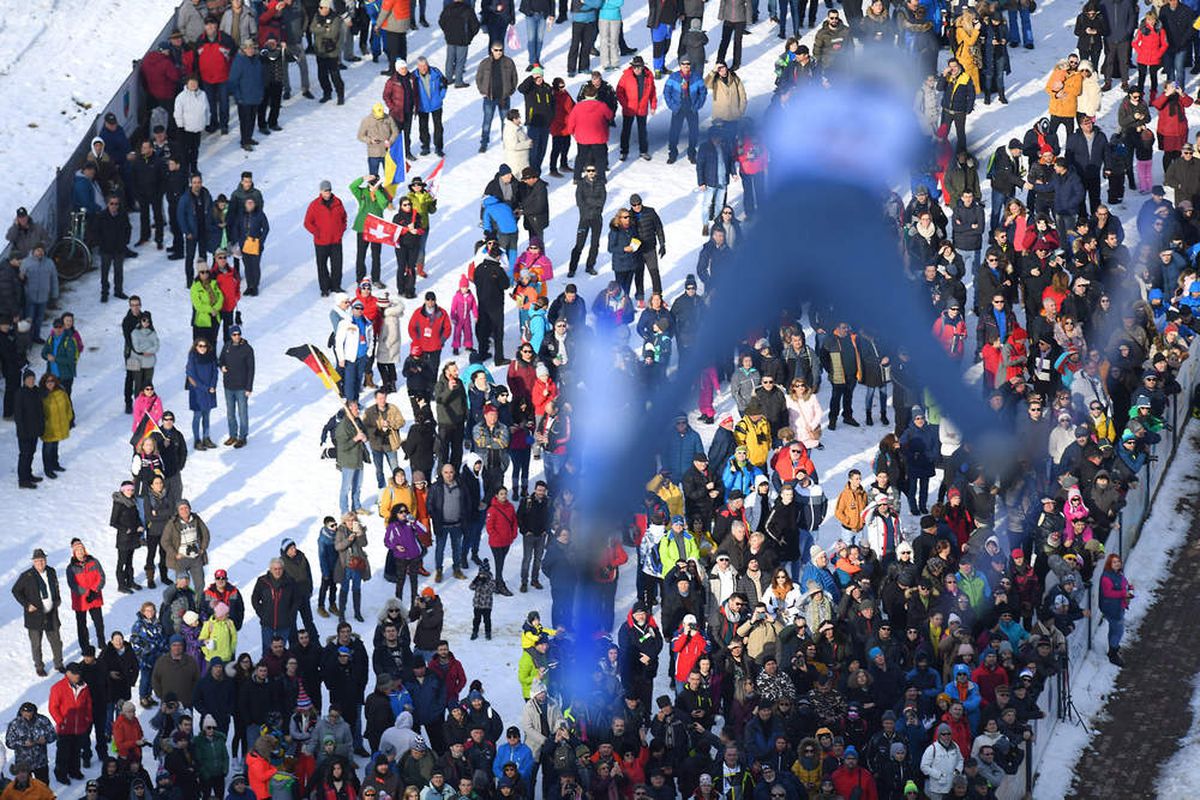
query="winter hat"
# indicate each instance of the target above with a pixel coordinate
(504, 169)
(401, 64)
(689, 620)
(850, 752)
(953, 618)
(303, 701)
(191, 618)
(220, 610)
(874, 652)
(911, 788)
(536, 688)
(325, 186)
(689, 281)
(285, 544)
(537, 70)
(897, 749)
(428, 592)
(177, 639)
(944, 728)
(208, 721)
(888, 715)
(464, 282)
(918, 411)
(815, 551)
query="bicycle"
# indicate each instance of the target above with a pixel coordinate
(70, 254)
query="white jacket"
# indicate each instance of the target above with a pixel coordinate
(191, 110)
(345, 343)
(875, 530)
(516, 146)
(940, 765)
(387, 346)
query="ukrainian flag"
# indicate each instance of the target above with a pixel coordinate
(393, 164)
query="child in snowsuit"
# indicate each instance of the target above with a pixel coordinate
(463, 313)
(484, 586)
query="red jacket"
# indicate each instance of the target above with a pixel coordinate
(230, 284)
(429, 332)
(161, 75)
(1172, 126)
(961, 731)
(563, 103)
(400, 96)
(71, 708)
(370, 309)
(214, 58)
(453, 677)
(1149, 45)
(627, 93)
(258, 774)
(84, 577)
(951, 335)
(614, 556)
(270, 22)
(521, 377)
(588, 122)
(501, 523)
(846, 780)
(987, 680)
(326, 222)
(786, 470)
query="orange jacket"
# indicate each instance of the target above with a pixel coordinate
(126, 735)
(1064, 90)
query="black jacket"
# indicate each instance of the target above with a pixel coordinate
(28, 414)
(237, 362)
(147, 175)
(539, 100)
(111, 232)
(534, 202)
(275, 601)
(28, 592)
(590, 197)
(490, 285)
(458, 23)
(649, 227)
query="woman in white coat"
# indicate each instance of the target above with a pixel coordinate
(516, 143)
(940, 763)
(804, 414)
(783, 598)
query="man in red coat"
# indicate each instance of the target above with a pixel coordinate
(162, 76)
(71, 710)
(213, 56)
(588, 122)
(400, 97)
(429, 328)
(325, 220)
(638, 99)
(850, 777)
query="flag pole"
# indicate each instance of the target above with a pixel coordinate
(333, 385)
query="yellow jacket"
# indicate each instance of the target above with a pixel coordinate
(393, 495)
(671, 493)
(59, 412)
(1064, 90)
(218, 638)
(756, 438)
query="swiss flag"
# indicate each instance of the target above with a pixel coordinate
(379, 230)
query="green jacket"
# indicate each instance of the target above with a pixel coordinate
(425, 205)
(366, 205)
(206, 305)
(212, 756)
(349, 452)
(66, 355)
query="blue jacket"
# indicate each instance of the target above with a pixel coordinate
(677, 455)
(190, 218)
(244, 225)
(246, 79)
(498, 215)
(429, 700)
(611, 9)
(920, 447)
(673, 91)
(521, 755)
(41, 278)
(218, 698)
(431, 90)
(585, 10)
(204, 373)
(327, 555)
(84, 194)
(708, 158)
(1083, 160)
(971, 704)
(824, 579)
(618, 240)
(539, 326)
(1068, 193)
(740, 478)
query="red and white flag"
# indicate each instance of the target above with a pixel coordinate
(432, 181)
(378, 230)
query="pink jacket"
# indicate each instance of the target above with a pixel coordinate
(463, 308)
(143, 405)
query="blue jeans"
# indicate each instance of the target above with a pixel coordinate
(882, 391)
(1174, 63)
(348, 498)
(1026, 27)
(379, 456)
(1116, 630)
(537, 150)
(145, 687)
(349, 576)
(352, 378)
(692, 118)
(237, 414)
(36, 312)
(535, 32)
(200, 424)
(471, 538)
(375, 165)
(456, 63)
(710, 203)
(269, 633)
(552, 464)
(458, 559)
(490, 107)
(792, 6)
(998, 201)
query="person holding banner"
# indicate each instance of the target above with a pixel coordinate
(373, 199)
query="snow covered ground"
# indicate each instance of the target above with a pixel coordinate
(1093, 679)
(60, 63)
(276, 487)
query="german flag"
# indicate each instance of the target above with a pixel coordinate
(145, 427)
(315, 360)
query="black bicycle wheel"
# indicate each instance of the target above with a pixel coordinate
(72, 258)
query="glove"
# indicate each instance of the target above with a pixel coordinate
(92, 596)
(662, 251)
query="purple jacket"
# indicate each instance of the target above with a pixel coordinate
(401, 539)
